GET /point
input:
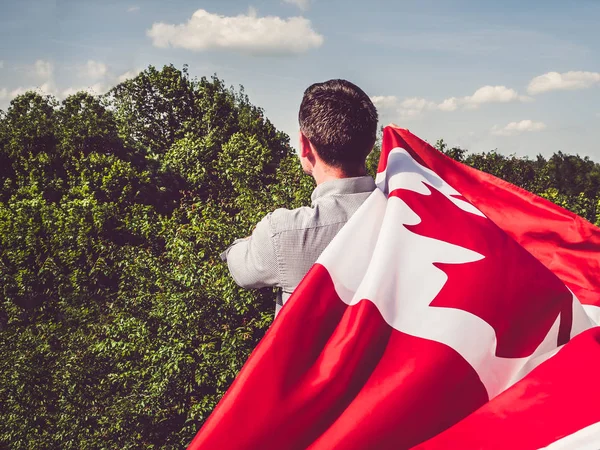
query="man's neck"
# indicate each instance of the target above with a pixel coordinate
(321, 174)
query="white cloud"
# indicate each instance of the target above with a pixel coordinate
(46, 88)
(492, 94)
(96, 72)
(409, 107)
(242, 33)
(415, 106)
(302, 4)
(1, 64)
(93, 69)
(128, 74)
(43, 69)
(133, 9)
(49, 88)
(20, 90)
(94, 89)
(450, 104)
(553, 81)
(518, 127)
(71, 91)
(385, 101)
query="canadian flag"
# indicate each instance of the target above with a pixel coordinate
(440, 316)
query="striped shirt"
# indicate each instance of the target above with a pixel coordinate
(286, 243)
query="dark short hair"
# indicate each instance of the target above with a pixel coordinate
(340, 121)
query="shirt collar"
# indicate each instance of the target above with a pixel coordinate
(340, 186)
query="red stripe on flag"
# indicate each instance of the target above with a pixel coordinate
(555, 400)
(336, 376)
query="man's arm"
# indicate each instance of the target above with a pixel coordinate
(252, 261)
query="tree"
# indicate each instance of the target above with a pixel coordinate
(118, 322)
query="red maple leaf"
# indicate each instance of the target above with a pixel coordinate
(509, 288)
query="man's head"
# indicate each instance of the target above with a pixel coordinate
(338, 121)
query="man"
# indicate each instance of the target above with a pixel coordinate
(338, 126)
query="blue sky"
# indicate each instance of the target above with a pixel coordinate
(522, 77)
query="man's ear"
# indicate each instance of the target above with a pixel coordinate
(305, 147)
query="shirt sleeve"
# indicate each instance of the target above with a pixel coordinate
(252, 261)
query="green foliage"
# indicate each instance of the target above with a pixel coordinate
(120, 326)
(373, 158)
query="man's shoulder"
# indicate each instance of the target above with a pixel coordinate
(283, 219)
